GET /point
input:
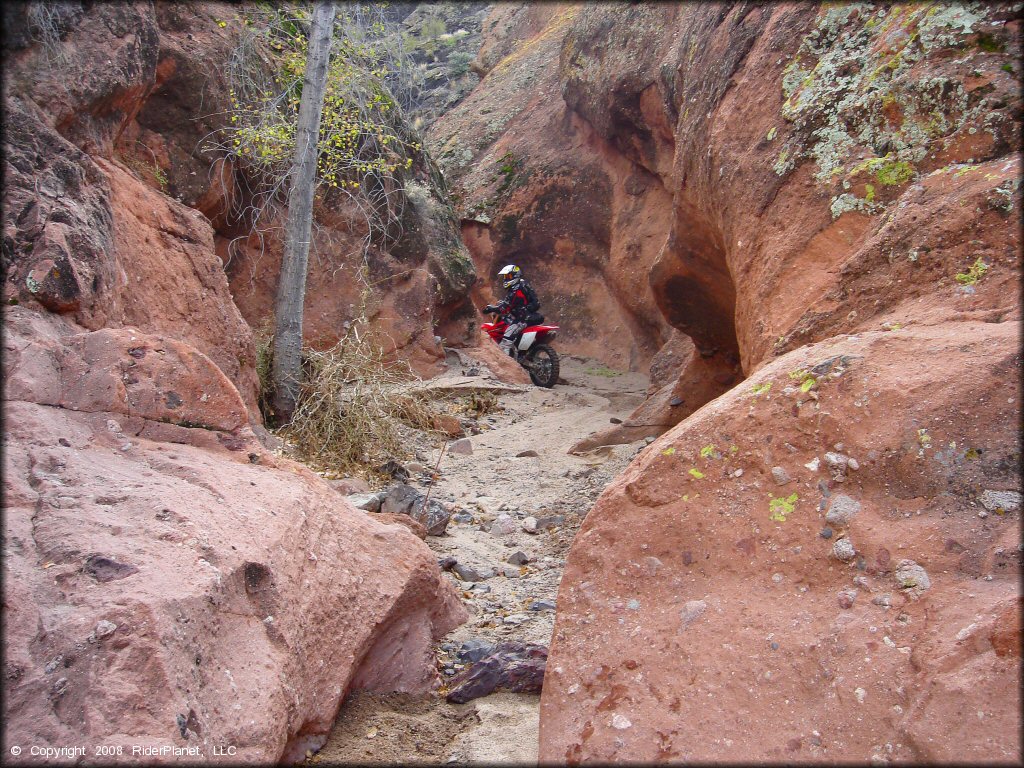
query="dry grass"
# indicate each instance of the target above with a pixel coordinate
(351, 409)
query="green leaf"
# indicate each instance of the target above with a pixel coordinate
(696, 473)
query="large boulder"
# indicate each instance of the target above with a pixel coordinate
(703, 615)
(221, 594)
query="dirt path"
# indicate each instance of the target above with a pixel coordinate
(502, 727)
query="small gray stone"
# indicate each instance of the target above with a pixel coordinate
(692, 611)
(780, 476)
(836, 460)
(996, 501)
(633, 605)
(399, 499)
(910, 575)
(474, 649)
(883, 601)
(104, 628)
(462, 446)
(368, 502)
(846, 598)
(518, 558)
(844, 550)
(483, 589)
(527, 455)
(550, 521)
(467, 573)
(826, 533)
(841, 510)
(503, 525)
(853, 464)
(515, 619)
(530, 524)
(542, 605)
(462, 517)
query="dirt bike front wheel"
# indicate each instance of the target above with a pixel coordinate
(543, 366)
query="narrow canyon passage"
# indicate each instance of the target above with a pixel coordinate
(500, 487)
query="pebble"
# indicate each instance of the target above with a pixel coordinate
(105, 628)
(844, 550)
(841, 511)
(633, 605)
(542, 605)
(836, 460)
(826, 533)
(910, 575)
(368, 502)
(738, 473)
(503, 525)
(474, 649)
(468, 573)
(530, 524)
(780, 476)
(846, 598)
(620, 723)
(882, 600)
(527, 455)
(853, 464)
(483, 589)
(518, 558)
(777, 578)
(462, 446)
(515, 619)
(964, 633)
(1000, 501)
(813, 464)
(692, 611)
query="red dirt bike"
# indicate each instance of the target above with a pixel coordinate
(532, 351)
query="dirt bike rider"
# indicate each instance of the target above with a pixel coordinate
(519, 306)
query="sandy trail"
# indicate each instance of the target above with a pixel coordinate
(503, 727)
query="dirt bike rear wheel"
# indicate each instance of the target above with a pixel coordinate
(543, 366)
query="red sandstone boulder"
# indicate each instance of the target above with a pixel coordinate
(704, 616)
(168, 582)
(501, 366)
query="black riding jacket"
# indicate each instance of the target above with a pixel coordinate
(520, 302)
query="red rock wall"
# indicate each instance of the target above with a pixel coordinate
(834, 173)
(168, 580)
(684, 168)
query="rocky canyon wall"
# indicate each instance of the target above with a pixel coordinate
(170, 581)
(822, 563)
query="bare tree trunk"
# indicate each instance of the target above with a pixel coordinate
(291, 287)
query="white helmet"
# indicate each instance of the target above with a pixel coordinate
(509, 275)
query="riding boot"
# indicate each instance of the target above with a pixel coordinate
(505, 345)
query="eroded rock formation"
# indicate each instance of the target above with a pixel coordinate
(844, 186)
(169, 581)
